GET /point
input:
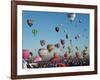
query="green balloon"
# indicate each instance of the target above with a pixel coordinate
(34, 31)
(67, 36)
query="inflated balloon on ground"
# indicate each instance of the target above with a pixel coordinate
(42, 52)
(50, 47)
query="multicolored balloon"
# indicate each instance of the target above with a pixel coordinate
(71, 16)
(37, 59)
(30, 22)
(42, 42)
(42, 52)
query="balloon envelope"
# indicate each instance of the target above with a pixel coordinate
(71, 16)
(26, 54)
(77, 36)
(67, 36)
(29, 22)
(42, 42)
(60, 25)
(37, 59)
(65, 31)
(57, 45)
(50, 47)
(69, 49)
(76, 48)
(57, 29)
(42, 52)
(34, 31)
(65, 54)
(55, 55)
(62, 41)
(79, 21)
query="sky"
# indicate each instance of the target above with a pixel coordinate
(45, 23)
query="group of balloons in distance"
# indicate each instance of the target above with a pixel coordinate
(50, 47)
(70, 16)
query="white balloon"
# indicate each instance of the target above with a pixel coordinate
(42, 51)
(71, 16)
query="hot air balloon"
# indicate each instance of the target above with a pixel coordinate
(34, 31)
(57, 29)
(76, 48)
(66, 54)
(62, 41)
(50, 47)
(84, 54)
(26, 54)
(67, 36)
(65, 31)
(29, 22)
(77, 36)
(37, 59)
(42, 52)
(42, 42)
(57, 45)
(71, 16)
(69, 49)
(79, 21)
(55, 59)
(55, 55)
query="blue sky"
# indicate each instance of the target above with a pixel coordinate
(45, 23)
